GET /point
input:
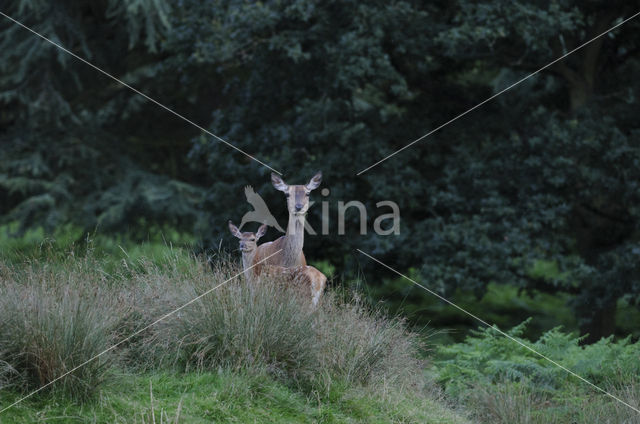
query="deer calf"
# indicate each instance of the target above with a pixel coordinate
(299, 276)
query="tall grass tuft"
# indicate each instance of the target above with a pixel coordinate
(235, 326)
(54, 319)
(272, 326)
(57, 316)
(503, 403)
(360, 344)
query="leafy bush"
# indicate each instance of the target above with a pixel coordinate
(487, 355)
(502, 382)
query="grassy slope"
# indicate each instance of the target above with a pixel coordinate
(225, 397)
(163, 396)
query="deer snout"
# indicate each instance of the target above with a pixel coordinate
(298, 206)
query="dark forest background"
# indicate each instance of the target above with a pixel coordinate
(535, 195)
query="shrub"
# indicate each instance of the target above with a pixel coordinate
(502, 382)
(490, 357)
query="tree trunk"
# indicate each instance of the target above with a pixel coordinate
(582, 78)
(602, 324)
(579, 93)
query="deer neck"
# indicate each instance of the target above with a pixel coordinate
(292, 248)
(247, 259)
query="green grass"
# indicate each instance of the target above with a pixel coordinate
(36, 245)
(226, 397)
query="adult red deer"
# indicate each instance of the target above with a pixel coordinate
(292, 242)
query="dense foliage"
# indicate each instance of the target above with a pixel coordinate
(487, 356)
(504, 382)
(75, 145)
(546, 173)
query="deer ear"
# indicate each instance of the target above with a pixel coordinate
(315, 181)
(278, 183)
(234, 230)
(261, 231)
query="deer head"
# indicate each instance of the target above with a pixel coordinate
(297, 195)
(248, 240)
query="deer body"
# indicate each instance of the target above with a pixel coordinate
(291, 244)
(305, 276)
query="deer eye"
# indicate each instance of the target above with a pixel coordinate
(252, 239)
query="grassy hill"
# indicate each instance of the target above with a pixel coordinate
(240, 353)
